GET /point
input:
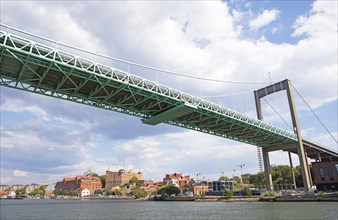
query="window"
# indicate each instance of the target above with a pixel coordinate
(330, 172)
(321, 173)
(337, 167)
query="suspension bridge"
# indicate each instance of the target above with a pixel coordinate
(34, 67)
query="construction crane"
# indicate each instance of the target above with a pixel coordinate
(241, 166)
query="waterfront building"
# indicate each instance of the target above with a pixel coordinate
(148, 185)
(146, 182)
(31, 187)
(49, 191)
(4, 188)
(120, 177)
(11, 194)
(195, 188)
(17, 186)
(159, 184)
(176, 179)
(149, 189)
(85, 192)
(78, 183)
(200, 190)
(325, 174)
(218, 187)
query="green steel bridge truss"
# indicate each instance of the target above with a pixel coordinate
(37, 68)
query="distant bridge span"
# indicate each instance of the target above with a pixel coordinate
(37, 68)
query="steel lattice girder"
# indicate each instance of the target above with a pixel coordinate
(34, 67)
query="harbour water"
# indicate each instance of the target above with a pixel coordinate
(108, 209)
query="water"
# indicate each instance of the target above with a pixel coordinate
(107, 209)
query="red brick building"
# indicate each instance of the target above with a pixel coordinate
(79, 183)
(147, 183)
(159, 183)
(200, 189)
(325, 174)
(149, 189)
(195, 188)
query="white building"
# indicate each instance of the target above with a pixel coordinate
(4, 188)
(85, 192)
(11, 194)
(31, 187)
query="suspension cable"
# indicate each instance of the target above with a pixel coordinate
(277, 113)
(226, 95)
(135, 64)
(314, 113)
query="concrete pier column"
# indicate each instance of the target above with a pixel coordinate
(292, 172)
(267, 170)
(308, 166)
(300, 147)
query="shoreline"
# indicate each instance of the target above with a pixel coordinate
(286, 198)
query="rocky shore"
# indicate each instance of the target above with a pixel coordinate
(282, 198)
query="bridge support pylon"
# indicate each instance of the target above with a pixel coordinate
(284, 85)
(267, 169)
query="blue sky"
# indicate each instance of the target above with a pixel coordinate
(45, 139)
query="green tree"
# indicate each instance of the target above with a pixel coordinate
(127, 185)
(257, 179)
(98, 192)
(169, 190)
(103, 180)
(73, 193)
(57, 192)
(248, 192)
(117, 192)
(223, 178)
(281, 175)
(43, 187)
(37, 192)
(228, 194)
(95, 174)
(236, 179)
(135, 180)
(246, 179)
(139, 193)
(237, 183)
(20, 191)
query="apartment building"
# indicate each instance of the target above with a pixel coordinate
(120, 177)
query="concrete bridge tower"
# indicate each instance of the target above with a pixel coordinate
(283, 85)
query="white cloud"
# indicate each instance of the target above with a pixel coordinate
(151, 33)
(17, 105)
(20, 173)
(179, 152)
(24, 139)
(321, 20)
(264, 19)
(325, 139)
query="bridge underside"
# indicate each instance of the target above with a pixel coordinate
(313, 151)
(37, 68)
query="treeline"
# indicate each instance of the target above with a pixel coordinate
(40, 191)
(281, 175)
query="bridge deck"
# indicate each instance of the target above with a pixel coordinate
(37, 68)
